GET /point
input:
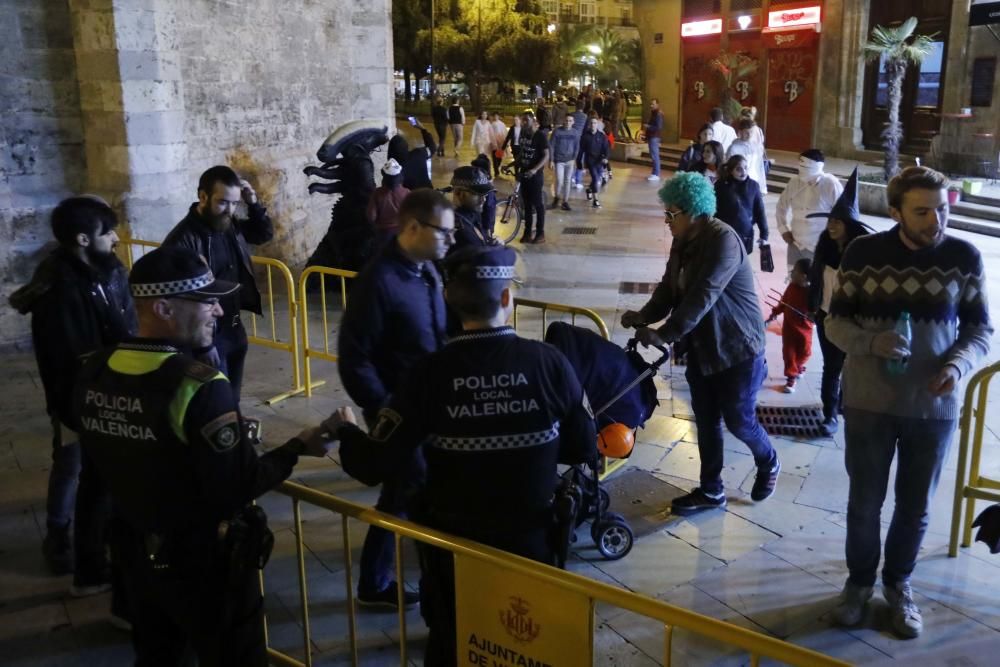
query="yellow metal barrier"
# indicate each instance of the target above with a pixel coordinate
(607, 466)
(758, 645)
(972, 425)
(309, 353)
(291, 346)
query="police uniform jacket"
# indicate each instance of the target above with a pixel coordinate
(395, 316)
(164, 432)
(496, 413)
(194, 232)
(469, 230)
(75, 309)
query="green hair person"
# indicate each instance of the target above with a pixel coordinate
(691, 193)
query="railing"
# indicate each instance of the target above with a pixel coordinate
(291, 346)
(972, 426)
(308, 352)
(506, 565)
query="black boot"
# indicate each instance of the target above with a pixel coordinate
(57, 547)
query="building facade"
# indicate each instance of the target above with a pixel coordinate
(801, 64)
(601, 13)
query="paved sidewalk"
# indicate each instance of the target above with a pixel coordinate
(775, 567)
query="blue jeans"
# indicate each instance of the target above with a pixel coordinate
(872, 440)
(730, 396)
(63, 478)
(654, 153)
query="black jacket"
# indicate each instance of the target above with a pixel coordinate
(741, 205)
(594, 149)
(415, 165)
(828, 253)
(690, 158)
(193, 232)
(75, 310)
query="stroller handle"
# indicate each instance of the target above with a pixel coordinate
(664, 351)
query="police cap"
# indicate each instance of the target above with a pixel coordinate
(472, 178)
(176, 271)
(477, 264)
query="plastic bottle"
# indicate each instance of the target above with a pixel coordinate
(898, 366)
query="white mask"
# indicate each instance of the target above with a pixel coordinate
(809, 169)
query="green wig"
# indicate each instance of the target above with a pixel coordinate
(690, 192)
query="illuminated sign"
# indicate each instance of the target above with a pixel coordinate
(697, 28)
(744, 23)
(784, 18)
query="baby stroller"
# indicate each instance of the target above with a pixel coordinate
(620, 382)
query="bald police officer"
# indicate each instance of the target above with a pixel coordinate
(494, 414)
(165, 433)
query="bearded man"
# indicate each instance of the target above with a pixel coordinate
(212, 230)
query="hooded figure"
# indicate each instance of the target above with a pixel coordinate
(383, 207)
(416, 163)
(843, 225)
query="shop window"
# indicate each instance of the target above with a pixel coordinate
(700, 8)
(929, 86)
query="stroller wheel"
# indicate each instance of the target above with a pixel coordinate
(613, 538)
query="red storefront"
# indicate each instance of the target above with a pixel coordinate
(776, 47)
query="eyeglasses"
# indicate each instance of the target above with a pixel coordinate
(446, 232)
(669, 215)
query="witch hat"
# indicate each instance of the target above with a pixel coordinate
(846, 209)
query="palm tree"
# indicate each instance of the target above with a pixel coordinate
(898, 48)
(732, 67)
(573, 39)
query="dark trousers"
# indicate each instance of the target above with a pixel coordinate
(437, 588)
(90, 529)
(833, 366)
(872, 440)
(63, 478)
(442, 132)
(198, 617)
(729, 396)
(596, 171)
(497, 161)
(534, 204)
(231, 344)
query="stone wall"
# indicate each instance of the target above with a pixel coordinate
(661, 62)
(133, 99)
(41, 138)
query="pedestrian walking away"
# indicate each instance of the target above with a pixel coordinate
(456, 121)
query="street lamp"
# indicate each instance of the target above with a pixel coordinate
(595, 49)
(551, 28)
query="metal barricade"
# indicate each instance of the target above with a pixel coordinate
(978, 487)
(308, 352)
(670, 616)
(607, 466)
(291, 346)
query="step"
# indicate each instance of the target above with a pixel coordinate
(976, 225)
(973, 210)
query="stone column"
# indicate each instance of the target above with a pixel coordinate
(133, 110)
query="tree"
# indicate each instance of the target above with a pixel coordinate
(410, 53)
(572, 40)
(897, 48)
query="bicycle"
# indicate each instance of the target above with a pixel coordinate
(508, 224)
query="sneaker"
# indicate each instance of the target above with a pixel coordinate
(565, 206)
(590, 193)
(789, 387)
(87, 590)
(652, 177)
(851, 608)
(596, 203)
(387, 598)
(906, 619)
(829, 426)
(526, 237)
(578, 186)
(696, 501)
(538, 240)
(554, 205)
(766, 480)
(57, 548)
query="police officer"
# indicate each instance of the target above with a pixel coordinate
(395, 316)
(470, 186)
(165, 433)
(494, 414)
(212, 230)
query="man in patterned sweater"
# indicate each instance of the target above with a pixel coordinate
(913, 268)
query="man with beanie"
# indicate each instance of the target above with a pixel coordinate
(383, 207)
(565, 145)
(812, 191)
(416, 163)
(709, 300)
(902, 397)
